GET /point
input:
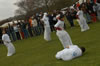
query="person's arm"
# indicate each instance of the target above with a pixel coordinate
(77, 15)
(58, 55)
(4, 40)
(43, 21)
(57, 26)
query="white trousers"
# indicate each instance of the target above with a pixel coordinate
(10, 48)
(84, 26)
(47, 34)
(64, 38)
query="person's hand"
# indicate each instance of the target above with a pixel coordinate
(67, 47)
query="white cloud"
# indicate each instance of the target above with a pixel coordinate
(7, 8)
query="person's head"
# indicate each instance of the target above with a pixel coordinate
(8, 24)
(61, 17)
(83, 49)
(45, 14)
(80, 8)
(72, 9)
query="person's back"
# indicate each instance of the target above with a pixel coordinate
(69, 53)
(80, 14)
(60, 24)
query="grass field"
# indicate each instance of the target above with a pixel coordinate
(37, 52)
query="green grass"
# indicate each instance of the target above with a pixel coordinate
(37, 52)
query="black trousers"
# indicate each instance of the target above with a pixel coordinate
(18, 36)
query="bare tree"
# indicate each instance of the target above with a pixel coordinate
(28, 6)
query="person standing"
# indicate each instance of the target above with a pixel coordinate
(51, 21)
(8, 44)
(26, 35)
(16, 29)
(47, 31)
(82, 21)
(11, 29)
(35, 26)
(61, 33)
(0, 35)
(89, 6)
(98, 10)
(69, 17)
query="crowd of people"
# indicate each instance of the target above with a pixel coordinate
(34, 26)
(46, 23)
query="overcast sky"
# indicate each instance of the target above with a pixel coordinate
(7, 8)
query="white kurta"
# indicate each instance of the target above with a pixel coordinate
(63, 35)
(82, 21)
(8, 44)
(69, 53)
(47, 31)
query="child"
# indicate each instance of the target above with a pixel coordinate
(8, 44)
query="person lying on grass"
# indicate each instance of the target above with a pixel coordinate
(70, 52)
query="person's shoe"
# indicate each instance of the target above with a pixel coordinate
(9, 55)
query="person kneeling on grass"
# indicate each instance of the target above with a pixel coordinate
(69, 53)
(7, 42)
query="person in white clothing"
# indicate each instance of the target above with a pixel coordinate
(47, 31)
(82, 21)
(98, 10)
(70, 52)
(8, 44)
(61, 33)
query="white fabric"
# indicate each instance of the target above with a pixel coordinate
(69, 53)
(15, 28)
(82, 21)
(58, 16)
(8, 44)
(47, 31)
(45, 19)
(47, 34)
(63, 35)
(34, 23)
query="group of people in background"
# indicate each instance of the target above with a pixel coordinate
(46, 23)
(34, 26)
